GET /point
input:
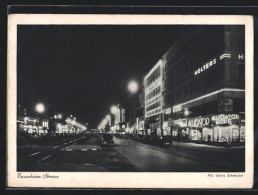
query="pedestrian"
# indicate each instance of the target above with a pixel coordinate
(209, 138)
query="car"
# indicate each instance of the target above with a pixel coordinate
(107, 139)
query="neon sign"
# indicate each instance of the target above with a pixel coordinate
(227, 119)
(198, 122)
(205, 66)
(177, 108)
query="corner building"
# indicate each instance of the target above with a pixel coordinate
(202, 86)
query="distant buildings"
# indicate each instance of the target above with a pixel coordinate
(119, 119)
(28, 119)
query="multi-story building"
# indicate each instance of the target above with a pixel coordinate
(196, 91)
(204, 83)
(119, 120)
(153, 86)
(139, 109)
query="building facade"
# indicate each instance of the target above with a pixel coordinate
(153, 87)
(139, 109)
(196, 91)
(119, 120)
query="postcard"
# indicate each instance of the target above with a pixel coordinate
(130, 101)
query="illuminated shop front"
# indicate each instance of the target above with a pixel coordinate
(31, 125)
(202, 81)
(166, 127)
(179, 129)
(221, 128)
(228, 128)
(140, 125)
(196, 126)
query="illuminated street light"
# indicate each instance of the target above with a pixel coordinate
(133, 86)
(186, 112)
(40, 108)
(60, 116)
(114, 109)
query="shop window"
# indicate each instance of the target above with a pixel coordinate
(195, 135)
(223, 134)
(207, 134)
(235, 133)
(242, 134)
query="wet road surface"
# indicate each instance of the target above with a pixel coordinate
(85, 154)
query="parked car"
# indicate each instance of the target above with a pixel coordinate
(107, 139)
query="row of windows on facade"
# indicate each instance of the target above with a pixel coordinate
(153, 93)
(189, 66)
(198, 84)
(154, 111)
(180, 71)
(189, 89)
(153, 106)
(157, 98)
(153, 77)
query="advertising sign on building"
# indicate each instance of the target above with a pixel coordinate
(226, 119)
(205, 66)
(168, 111)
(177, 108)
(199, 122)
(123, 115)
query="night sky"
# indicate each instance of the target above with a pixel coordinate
(85, 69)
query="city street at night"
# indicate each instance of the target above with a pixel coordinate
(85, 154)
(130, 98)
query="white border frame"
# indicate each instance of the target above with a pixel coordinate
(125, 179)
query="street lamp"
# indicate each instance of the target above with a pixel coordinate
(186, 112)
(113, 109)
(40, 108)
(59, 116)
(133, 88)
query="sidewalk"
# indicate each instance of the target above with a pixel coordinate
(205, 147)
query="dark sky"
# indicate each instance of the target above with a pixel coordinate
(85, 69)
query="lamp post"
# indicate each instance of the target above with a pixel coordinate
(39, 108)
(133, 88)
